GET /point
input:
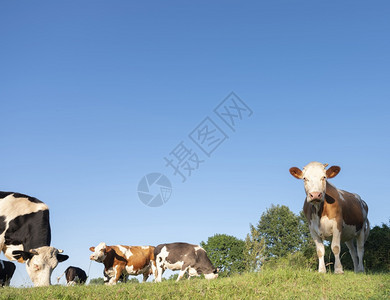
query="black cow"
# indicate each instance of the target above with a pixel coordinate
(74, 275)
(25, 235)
(184, 257)
(7, 270)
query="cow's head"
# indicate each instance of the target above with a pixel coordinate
(40, 263)
(314, 176)
(212, 275)
(99, 252)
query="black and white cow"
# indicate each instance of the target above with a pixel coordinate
(184, 257)
(25, 235)
(74, 275)
(7, 270)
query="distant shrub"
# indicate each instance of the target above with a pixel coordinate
(96, 281)
(296, 261)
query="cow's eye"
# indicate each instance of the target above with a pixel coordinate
(305, 179)
(323, 178)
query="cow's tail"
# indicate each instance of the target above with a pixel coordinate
(59, 277)
(366, 230)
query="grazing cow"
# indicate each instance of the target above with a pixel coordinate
(25, 235)
(333, 213)
(7, 270)
(184, 257)
(124, 260)
(74, 275)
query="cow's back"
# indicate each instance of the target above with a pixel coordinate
(24, 223)
(353, 209)
(136, 257)
(177, 251)
(141, 256)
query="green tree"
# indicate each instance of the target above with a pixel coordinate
(377, 249)
(253, 250)
(132, 280)
(281, 230)
(225, 252)
(173, 277)
(97, 281)
(306, 246)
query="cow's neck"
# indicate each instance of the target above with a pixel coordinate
(330, 206)
(109, 260)
(331, 195)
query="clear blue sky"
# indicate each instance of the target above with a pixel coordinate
(94, 95)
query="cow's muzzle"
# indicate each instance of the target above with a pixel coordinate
(315, 197)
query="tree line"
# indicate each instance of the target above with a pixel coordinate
(281, 236)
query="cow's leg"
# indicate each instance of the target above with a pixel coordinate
(154, 269)
(7, 281)
(145, 275)
(182, 272)
(320, 253)
(159, 271)
(352, 251)
(338, 268)
(118, 269)
(106, 278)
(361, 238)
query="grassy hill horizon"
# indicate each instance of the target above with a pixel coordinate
(280, 283)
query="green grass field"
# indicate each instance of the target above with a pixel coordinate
(268, 284)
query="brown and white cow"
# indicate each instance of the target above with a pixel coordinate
(333, 213)
(126, 260)
(184, 257)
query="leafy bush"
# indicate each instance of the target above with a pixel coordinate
(294, 261)
(225, 252)
(96, 281)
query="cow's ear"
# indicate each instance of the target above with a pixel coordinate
(22, 256)
(296, 172)
(332, 171)
(62, 257)
(92, 249)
